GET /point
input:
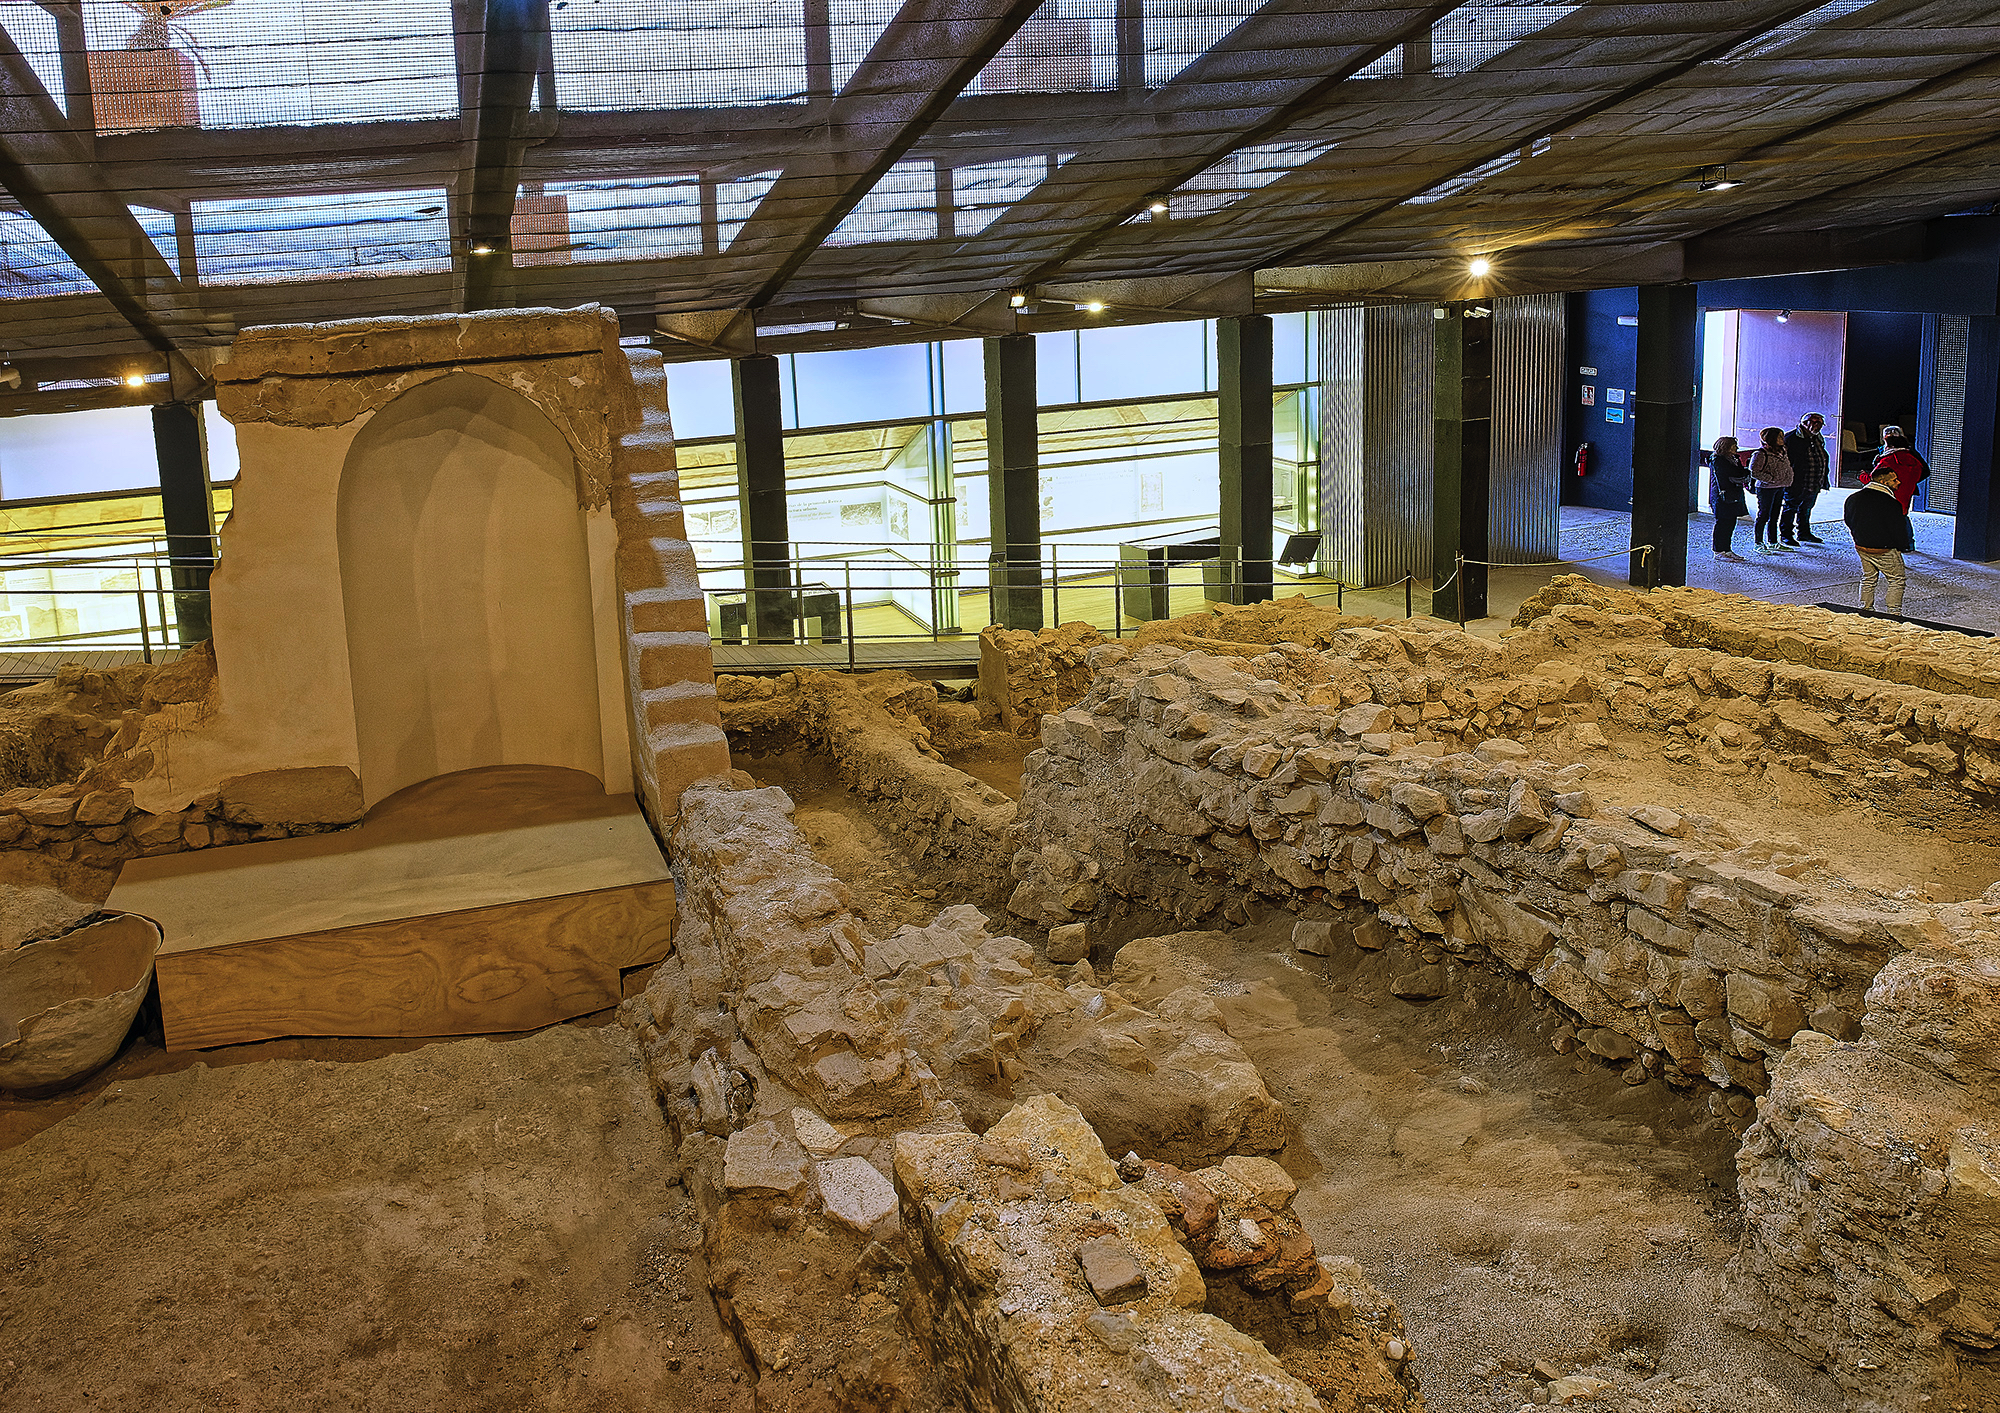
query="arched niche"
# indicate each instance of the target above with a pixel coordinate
(465, 579)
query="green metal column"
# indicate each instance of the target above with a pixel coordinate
(760, 490)
(1464, 460)
(187, 505)
(1663, 432)
(1014, 481)
(1243, 411)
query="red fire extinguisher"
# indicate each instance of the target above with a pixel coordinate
(1583, 459)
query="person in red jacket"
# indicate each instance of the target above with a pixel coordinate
(1898, 457)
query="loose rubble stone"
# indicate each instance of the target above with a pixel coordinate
(1115, 1275)
(762, 1162)
(855, 1194)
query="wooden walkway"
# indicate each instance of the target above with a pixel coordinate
(21, 666)
(920, 657)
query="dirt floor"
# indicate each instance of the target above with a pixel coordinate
(473, 1225)
(1897, 838)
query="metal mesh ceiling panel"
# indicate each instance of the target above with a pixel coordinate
(623, 54)
(345, 157)
(258, 63)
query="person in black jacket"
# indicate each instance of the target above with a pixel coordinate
(1876, 520)
(1727, 478)
(1806, 448)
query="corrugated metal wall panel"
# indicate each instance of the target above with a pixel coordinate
(1375, 441)
(1399, 475)
(1525, 522)
(1947, 410)
(1341, 441)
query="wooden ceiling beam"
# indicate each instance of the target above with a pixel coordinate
(921, 63)
(1316, 248)
(514, 48)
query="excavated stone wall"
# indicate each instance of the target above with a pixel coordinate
(1024, 675)
(1871, 1186)
(884, 733)
(1424, 802)
(870, 1252)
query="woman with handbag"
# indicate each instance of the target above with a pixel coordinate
(1726, 479)
(1772, 469)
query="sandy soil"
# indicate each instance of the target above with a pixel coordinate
(474, 1225)
(997, 759)
(1899, 839)
(1520, 1205)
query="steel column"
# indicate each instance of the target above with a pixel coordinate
(1013, 481)
(1976, 534)
(187, 505)
(1663, 462)
(1463, 443)
(1243, 445)
(760, 490)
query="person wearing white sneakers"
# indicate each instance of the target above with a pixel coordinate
(1726, 479)
(1773, 471)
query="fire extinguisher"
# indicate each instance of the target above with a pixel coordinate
(1583, 459)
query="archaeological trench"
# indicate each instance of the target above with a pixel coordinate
(1273, 1011)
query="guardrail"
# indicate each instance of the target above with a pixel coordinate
(168, 592)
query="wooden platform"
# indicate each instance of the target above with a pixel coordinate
(920, 657)
(492, 900)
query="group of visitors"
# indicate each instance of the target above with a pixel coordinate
(1789, 470)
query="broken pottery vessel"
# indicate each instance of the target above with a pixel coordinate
(66, 1004)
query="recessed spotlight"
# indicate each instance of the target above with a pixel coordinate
(1157, 205)
(1784, 316)
(1095, 306)
(1018, 299)
(1715, 179)
(482, 249)
(135, 380)
(1480, 267)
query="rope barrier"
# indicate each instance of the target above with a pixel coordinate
(1643, 551)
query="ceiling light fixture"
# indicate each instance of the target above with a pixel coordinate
(1095, 306)
(1480, 267)
(1784, 316)
(1157, 205)
(1715, 179)
(482, 249)
(135, 380)
(1018, 299)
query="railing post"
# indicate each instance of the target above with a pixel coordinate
(847, 572)
(1118, 599)
(1409, 580)
(1055, 588)
(145, 637)
(1459, 598)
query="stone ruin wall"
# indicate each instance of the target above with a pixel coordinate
(884, 734)
(1420, 802)
(870, 1251)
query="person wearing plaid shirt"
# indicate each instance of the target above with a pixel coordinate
(1807, 449)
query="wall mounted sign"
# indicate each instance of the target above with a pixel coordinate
(1614, 414)
(1590, 395)
(1614, 396)
(1588, 372)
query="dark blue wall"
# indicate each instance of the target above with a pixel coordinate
(1597, 340)
(1879, 383)
(1962, 276)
